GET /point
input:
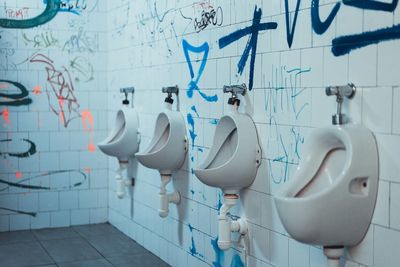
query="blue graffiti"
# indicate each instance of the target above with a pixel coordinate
(192, 133)
(214, 121)
(253, 31)
(322, 26)
(193, 108)
(51, 10)
(344, 44)
(193, 84)
(71, 6)
(372, 5)
(192, 249)
(219, 203)
(200, 150)
(219, 254)
(290, 32)
(237, 261)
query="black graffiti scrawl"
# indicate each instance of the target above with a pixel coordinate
(10, 99)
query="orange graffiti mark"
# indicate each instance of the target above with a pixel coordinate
(87, 116)
(87, 170)
(61, 114)
(6, 115)
(37, 90)
(3, 85)
(91, 147)
(18, 175)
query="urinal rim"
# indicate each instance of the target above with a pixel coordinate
(146, 152)
(232, 117)
(106, 142)
(343, 131)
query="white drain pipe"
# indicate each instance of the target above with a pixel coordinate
(122, 179)
(166, 198)
(226, 226)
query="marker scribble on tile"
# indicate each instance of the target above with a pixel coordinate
(251, 45)
(193, 84)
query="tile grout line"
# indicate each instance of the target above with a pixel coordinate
(85, 238)
(41, 245)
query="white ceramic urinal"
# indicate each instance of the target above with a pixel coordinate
(330, 199)
(231, 163)
(166, 151)
(122, 143)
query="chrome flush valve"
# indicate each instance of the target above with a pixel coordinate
(126, 91)
(235, 90)
(170, 90)
(340, 92)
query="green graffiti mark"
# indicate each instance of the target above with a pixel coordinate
(52, 8)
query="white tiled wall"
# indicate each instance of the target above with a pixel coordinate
(287, 102)
(66, 40)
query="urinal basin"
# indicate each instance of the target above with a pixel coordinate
(123, 141)
(167, 149)
(331, 197)
(234, 156)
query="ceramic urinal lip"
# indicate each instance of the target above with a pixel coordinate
(149, 147)
(203, 168)
(151, 158)
(339, 132)
(127, 114)
(247, 144)
(109, 139)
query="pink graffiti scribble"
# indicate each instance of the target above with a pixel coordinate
(18, 175)
(67, 107)
(87, 118)
(6, 115)
(37, 90)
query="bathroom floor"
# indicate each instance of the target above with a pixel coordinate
(100, 245)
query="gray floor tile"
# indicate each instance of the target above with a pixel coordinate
(71, 249)
(55, 233)
(96, 229)
(91, 263)
(114, 244)
(143, 260)
(23, 254)
(16, 237)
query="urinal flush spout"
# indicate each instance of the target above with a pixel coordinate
(341, 92)
(170, 90)
(235, 90)
(126, 91)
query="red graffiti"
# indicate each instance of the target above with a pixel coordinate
(5, 113)
(21, 13)
(18, 175)
(37, 90)
(67, 107)
(87, 118)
